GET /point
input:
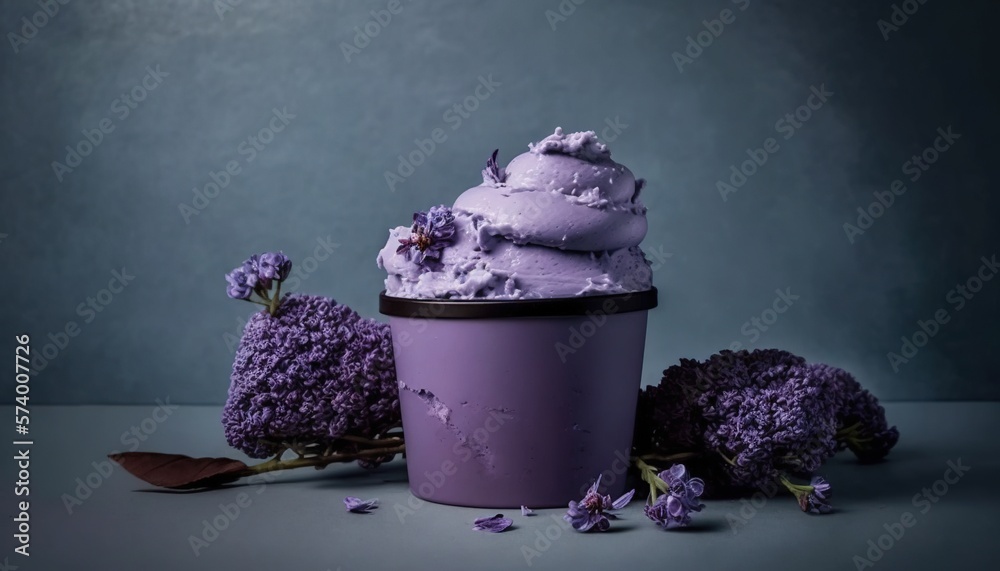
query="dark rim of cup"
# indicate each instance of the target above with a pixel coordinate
(493, 308)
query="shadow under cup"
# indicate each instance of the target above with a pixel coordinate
(518, 402)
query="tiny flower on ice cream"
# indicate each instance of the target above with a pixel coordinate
(494, 174)
(431, 232)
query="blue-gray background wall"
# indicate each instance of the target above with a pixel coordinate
(170, 331)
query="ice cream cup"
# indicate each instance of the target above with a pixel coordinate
(518, 402)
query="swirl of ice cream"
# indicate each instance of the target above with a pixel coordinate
(567, 193)
(561, 220)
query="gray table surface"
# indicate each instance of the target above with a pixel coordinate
(297, 520)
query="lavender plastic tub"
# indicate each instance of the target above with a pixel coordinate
(510, 403)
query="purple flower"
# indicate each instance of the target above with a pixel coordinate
(240, 286)
(753, 416)
(359, 506)
(251, 267)
(274, 265)
(310, 374)
(674, 508)
(526, 511)
(816, 501)
(594, 510)
(492, 524)
(493, 174)
(668, 511)
(681, 483)
(431, 232)
(861, 421)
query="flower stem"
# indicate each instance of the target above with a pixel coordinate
(318, 462)
(274, 300)
(649, 475)
(377, 443)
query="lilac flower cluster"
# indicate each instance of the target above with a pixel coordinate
(311, 373)
(431, 232)
(257, 274)
(674, 508)
(753, 417)
(861, 420)
(594, 511)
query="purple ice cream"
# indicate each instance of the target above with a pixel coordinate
(560, 220)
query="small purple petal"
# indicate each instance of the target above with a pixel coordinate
(359, 506)
(603, 524)
(622, 501)
(820, 487)
(696, 486)
(586, 522)
(493, 175)
(493, 524)
(526, 511)
(597, 484)
(239, 284)
(274, 265)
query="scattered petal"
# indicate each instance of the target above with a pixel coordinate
(359, 506)
(492, 524)
(526, 511)
(622, 501)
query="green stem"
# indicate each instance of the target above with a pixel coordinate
(798, 490)
(274, 300)
(649, 475)
(262, 293)
(318, 462)
(377, 443)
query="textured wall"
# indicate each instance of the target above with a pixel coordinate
(209, 77)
